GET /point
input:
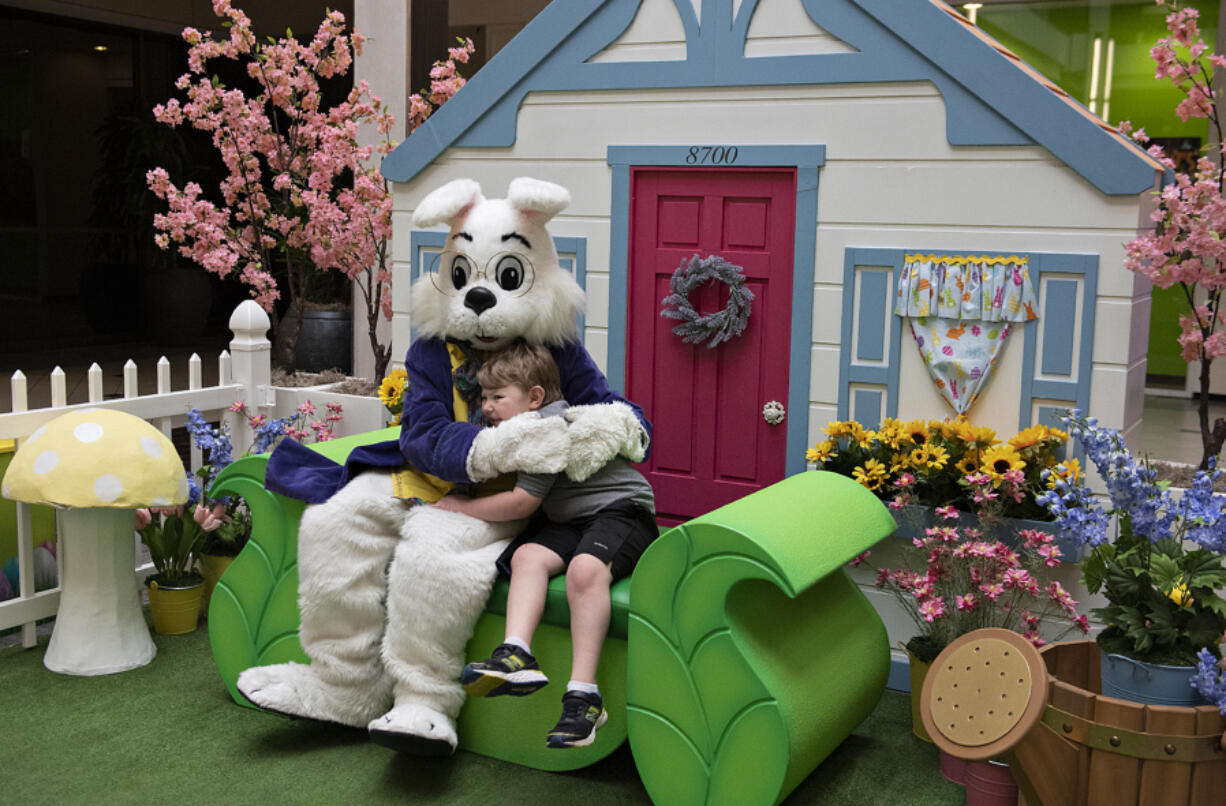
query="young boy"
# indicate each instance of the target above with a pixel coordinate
(595, 530)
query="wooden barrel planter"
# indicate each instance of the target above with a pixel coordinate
(1065, 742)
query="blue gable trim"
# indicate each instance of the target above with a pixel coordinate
(989, 100)
(808, 161)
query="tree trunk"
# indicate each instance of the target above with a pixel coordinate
(1211, 438)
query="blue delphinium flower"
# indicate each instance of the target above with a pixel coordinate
(1209, 680)
(267, 434)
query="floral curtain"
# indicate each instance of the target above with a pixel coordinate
(961, 309)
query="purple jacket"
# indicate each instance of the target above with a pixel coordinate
(430, 438)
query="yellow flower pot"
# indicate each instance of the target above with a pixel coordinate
(176, 610)
(211, 568)
(918, 670)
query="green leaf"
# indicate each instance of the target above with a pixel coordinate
(1166, 572)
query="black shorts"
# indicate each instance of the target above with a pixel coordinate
(618, 535)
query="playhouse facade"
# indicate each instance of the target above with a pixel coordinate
(828, 147)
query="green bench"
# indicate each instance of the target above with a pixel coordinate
(739, 656)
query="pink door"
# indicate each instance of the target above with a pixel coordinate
(711, 443)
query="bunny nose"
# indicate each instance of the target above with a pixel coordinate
(480, 300)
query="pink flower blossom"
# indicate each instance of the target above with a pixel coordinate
(932, 609)
(855, 563)
(948, 513)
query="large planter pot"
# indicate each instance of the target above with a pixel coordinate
(913, 519)
(176, 606)
(325, 341)
(1149, 683)
(989, 783)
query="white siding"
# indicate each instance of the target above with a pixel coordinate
(783, 28)
(656, 35)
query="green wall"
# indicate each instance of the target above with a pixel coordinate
(43, 517)
(1058, 40)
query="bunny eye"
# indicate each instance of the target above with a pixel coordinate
(460, 271)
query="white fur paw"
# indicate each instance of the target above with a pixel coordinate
(416, 730)
(526, 442)
(294, 690)
(600, 432)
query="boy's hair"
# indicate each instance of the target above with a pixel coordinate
(523, 365)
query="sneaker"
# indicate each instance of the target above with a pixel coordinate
(509, 670)
(582, 714)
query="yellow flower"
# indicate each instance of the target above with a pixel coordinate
(1179, 595)
(916, 431)
(871, 475)
(920, 457)
(890, 433)
(1069, 470)
(823, 452)
(952, 429)
(939, 457)
(1029, 436)
(998, 460)
(968, 464)
(391, 391)
(979, 436)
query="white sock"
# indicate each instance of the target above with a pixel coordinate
(515, 640)
(586, 688)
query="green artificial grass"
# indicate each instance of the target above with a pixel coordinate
(169, 734)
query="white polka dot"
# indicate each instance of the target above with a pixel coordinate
(45, 462)
(88, 432)
(4, 490)
(160, 501)
(151, 446)
(108, 487)
(42, 430)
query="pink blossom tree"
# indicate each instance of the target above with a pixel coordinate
(300, 191)
(1186, 246)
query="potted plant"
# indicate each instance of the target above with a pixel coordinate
(1156, 555)
(175, 590)
(947, 463)
(391, 393)
(302, 196)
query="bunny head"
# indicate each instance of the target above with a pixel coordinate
(498, 277)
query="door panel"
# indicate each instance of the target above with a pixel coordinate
(711, 444)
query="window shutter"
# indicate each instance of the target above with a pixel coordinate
(871, 336)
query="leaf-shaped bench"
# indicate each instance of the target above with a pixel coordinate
(740, 655)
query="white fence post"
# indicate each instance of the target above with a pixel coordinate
(251, 365)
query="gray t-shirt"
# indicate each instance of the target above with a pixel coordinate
(564, 500)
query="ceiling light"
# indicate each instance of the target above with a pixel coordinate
(100, 48)
(972, 11)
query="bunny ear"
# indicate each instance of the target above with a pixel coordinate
(446, 204)
(537, 196)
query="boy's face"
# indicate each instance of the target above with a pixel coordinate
(505, 402)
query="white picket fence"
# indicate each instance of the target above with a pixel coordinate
(244, 373)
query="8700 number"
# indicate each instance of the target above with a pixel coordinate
(711, 155)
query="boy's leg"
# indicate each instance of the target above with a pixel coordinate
(613, 540)
(511, 668)
(532, 565)
(587, 592)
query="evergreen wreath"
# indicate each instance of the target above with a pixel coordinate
(717, 327)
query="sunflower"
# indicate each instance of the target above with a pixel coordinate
(822, 452)
(1069, 470)
(891, 432)
(978, 436)
(968, 464)
(916, 431)
(939, 457)
(920, 457)
(998, 460)
(391, 393)
(1028, 437)
(951, 429)
(872, 474)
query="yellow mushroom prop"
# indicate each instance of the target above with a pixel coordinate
(97, 466)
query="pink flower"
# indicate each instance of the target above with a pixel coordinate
(1051, 554)
(949, 513)
(932, 609)
(967, 602)
(143, 518)
(855, 563)
(238, 407)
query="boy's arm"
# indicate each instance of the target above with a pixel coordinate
(508, 506)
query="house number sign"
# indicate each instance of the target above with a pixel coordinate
(711, 155)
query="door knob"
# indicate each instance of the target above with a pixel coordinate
(773, 412)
